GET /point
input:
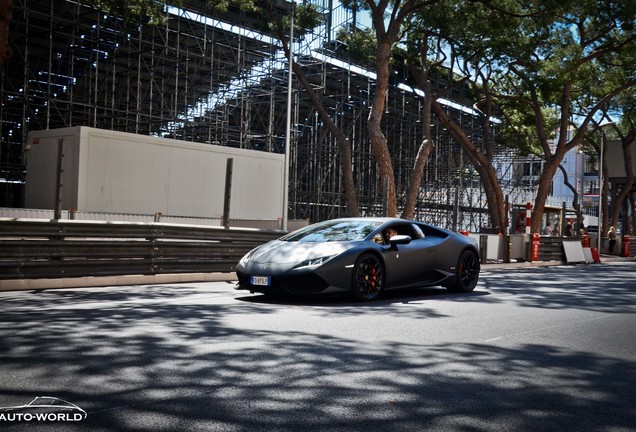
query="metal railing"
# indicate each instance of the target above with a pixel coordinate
(63, 248)
(266, 224)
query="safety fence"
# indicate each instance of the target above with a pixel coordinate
(65, 248)
(518, 247)
(31, 249)
(551, 249)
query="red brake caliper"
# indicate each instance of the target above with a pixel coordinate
(373, 279)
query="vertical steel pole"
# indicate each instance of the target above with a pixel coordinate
(288, 123)
(58, 179)
(455, 210)
(599, 224)
(228, 192)
(385, 196)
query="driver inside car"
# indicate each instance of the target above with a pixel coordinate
(388, 233)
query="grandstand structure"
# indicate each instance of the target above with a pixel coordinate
(221, 78)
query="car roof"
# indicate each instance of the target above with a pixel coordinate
(373, 219)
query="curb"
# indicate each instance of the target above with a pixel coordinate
(104, 281)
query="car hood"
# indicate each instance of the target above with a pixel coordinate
(284, 252)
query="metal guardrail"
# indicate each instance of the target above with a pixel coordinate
(59, 248)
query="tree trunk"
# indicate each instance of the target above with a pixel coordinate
(346, 157)
(412, 192)
(387, 22)
(6, 15)
(545, 184)
(629, 182)
(632, 221)
(575, 193)
(378, 140)
(487, 173)
(427, 144)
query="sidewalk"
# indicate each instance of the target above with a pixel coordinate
(527, 264)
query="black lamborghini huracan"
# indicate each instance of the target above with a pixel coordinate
(362, 256)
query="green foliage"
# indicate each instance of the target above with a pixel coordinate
(354, 5)
(306, 18)
(361, 45)
(135, 9)
(154, 11)
(519, 128)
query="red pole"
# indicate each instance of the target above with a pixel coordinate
(626, 246)
(534, 247)
(528, 217)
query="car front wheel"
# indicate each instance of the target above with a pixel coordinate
(368, 278)
(466, 272)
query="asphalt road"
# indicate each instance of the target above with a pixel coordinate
(541, 349)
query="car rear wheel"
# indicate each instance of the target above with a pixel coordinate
(466, 272)
(368, 278)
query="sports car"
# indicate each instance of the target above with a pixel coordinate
(363, 257)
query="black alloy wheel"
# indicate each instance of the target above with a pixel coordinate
(467, 272)
(368, 278)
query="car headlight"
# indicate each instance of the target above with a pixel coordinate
(314, 262)
(246, 258)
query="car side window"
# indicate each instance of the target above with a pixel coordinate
(417, 232)
(411, 230)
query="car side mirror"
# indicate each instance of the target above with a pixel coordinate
(399, 240)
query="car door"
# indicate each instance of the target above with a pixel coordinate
(412, 263)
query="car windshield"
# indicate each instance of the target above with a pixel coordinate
(333, 231)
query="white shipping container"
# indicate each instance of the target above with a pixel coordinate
(115, 172)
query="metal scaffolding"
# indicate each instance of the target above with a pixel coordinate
(220, 78)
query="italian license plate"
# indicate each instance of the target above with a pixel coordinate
(261, 280)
